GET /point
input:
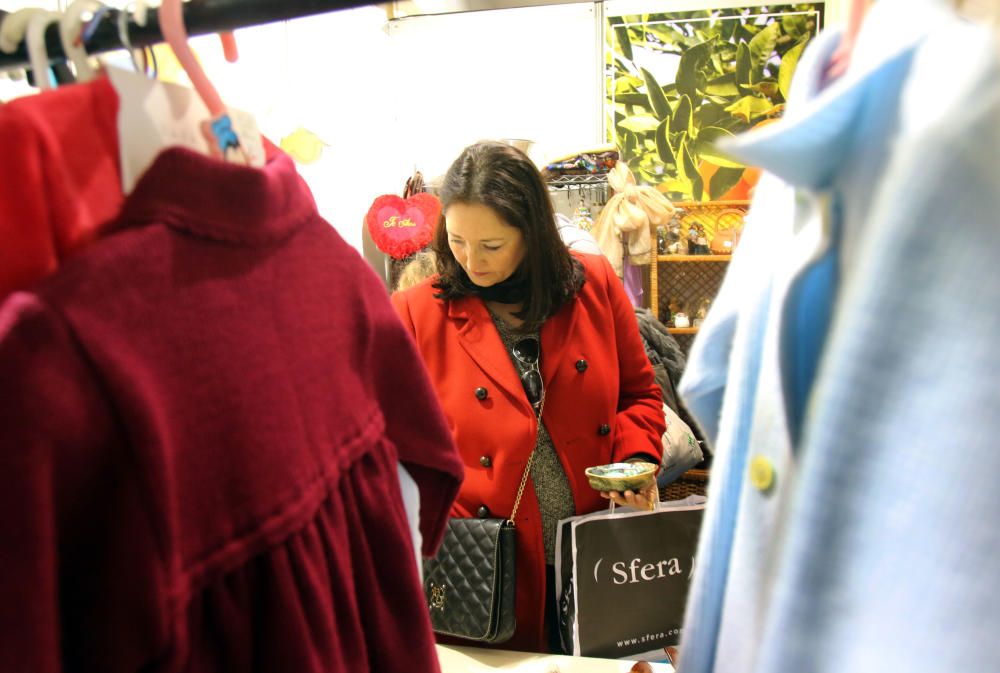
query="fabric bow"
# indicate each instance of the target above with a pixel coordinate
(628, 219)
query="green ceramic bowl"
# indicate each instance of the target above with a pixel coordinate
(621, 476)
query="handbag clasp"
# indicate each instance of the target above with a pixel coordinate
(437, 597)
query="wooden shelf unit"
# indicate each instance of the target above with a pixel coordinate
(691, 277)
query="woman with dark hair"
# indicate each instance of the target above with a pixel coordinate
(534, 352)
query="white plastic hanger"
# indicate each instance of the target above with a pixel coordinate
(140, 12)
(70, 28)
(13, 28)
(126, 40)
(12, 34)
(37, 53)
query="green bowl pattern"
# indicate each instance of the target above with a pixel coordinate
(621, 476)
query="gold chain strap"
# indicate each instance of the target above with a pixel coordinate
(524, 481)
(527, 468)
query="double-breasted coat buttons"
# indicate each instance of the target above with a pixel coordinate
(481, 393)
(483, 512)
(485, 461)
(604, 430)
(581, 365)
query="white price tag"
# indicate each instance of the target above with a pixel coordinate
(154, 115)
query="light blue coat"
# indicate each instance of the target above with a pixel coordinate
(849, 371)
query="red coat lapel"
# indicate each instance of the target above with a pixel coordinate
(482, 342)
(555, 335)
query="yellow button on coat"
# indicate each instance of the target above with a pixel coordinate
(761, 473)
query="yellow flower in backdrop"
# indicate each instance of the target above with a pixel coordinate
(302, 145)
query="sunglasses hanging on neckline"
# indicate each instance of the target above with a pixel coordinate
(526, 351)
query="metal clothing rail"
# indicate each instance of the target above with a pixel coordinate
(200, 16)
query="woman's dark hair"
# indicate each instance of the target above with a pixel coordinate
(504, 179)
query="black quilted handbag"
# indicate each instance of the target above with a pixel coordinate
(471, 583)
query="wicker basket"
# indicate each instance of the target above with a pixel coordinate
(692, 482)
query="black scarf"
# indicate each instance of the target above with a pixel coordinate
(512, 290)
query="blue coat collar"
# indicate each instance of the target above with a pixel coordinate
(806, 147)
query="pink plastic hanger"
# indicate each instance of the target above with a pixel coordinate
(229, 49)
(171, 15)
(221, 136)
(842, 56)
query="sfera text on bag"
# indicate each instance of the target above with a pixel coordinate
(636, 571)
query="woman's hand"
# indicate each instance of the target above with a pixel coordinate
(645, 499)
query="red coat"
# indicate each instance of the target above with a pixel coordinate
(59, 179)
(601, 405)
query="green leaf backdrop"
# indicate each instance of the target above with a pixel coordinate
(678, 82)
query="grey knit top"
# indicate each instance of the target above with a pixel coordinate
(555, 499)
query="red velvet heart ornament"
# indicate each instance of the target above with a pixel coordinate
(401, 227)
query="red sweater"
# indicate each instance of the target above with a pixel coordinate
(201, 417)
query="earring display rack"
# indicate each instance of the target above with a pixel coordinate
(569, 192)
(201, 17)
(585, 179)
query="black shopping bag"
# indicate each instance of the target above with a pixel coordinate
(622, 578)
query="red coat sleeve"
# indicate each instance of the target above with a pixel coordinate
(402, 308)
(639, 422)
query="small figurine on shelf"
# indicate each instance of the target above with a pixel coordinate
(692, 239)
(702, 241)
(661, 240)
(702, 312)
(674, 240)
(674, 306)
(697, 240)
